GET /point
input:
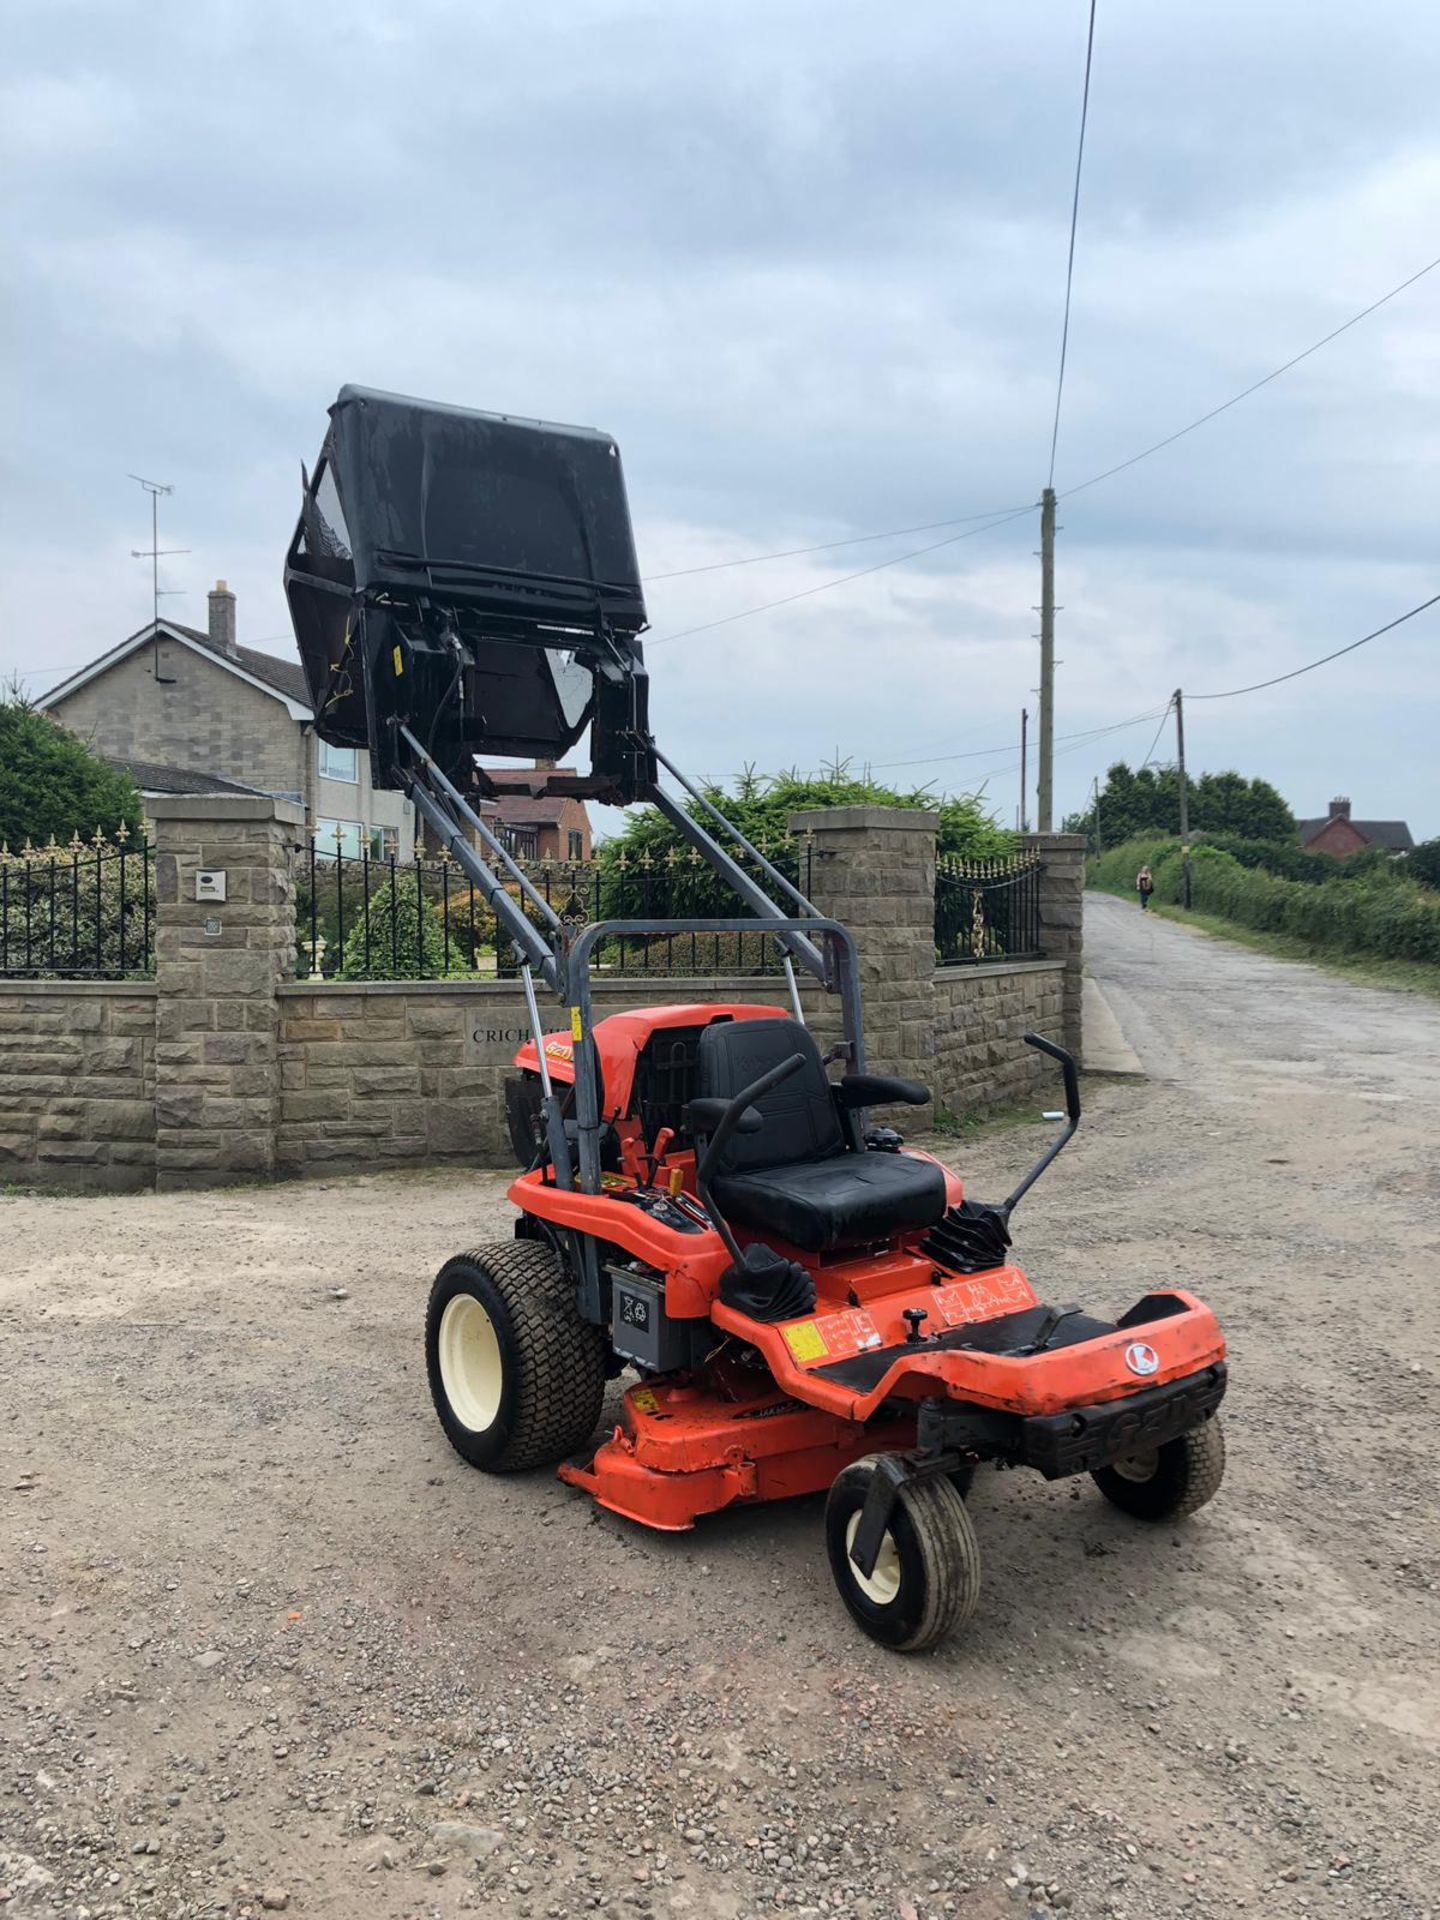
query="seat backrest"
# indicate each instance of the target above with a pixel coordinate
(801, 1121)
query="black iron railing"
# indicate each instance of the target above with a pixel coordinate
(81, 912)
(987, 910)
(420, 919)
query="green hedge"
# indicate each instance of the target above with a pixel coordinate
(1372, 912)
(1292, 862)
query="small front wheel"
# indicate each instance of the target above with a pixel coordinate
(1168, 1481)
(926, 1581)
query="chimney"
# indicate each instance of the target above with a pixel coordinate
(222, 619)
(1340, 809)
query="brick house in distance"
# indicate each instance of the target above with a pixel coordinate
(534, 825)
(174, 705)
(1339, 835)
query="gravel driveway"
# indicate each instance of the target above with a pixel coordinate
(266, 1645)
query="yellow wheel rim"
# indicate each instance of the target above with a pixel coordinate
(471, 1370)
(883, 1583)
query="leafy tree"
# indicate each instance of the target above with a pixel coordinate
(405, 938)
(1148, 802)
(51, 783)
(1422, 863)
(760, 805)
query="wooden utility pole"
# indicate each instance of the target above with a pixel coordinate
(1184, 793)
(1099, 842)
(1045, 796)
(1024, 769)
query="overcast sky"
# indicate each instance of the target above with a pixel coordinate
(805, 261)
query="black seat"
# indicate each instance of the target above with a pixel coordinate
(798, 1177)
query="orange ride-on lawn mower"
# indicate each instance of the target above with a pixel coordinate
(805, 1302)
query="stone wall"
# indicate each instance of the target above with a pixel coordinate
(77, 1084)
(387, 1073)
(980, 1017)
(228, 1069)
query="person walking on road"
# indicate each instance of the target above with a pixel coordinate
(1144, 886)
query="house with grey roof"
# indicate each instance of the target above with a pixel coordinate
(1339, 834)
(174, 704)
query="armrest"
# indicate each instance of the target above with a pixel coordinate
(880, 1090)
(705, 1115)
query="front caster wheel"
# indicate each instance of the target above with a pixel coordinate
(926, 1581)
(1169, 1481)
(516, 1375)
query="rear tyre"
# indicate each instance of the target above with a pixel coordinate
(1169, 1481)
(926, 1581)
(516, 1375)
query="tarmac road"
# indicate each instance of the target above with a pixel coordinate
(262, 1634)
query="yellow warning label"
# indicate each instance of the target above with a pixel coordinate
(806, 1341)
(399, 663)
(644, 1399)
(577, 1026)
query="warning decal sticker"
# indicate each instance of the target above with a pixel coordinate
(983, 1297)
(805, 1341)
(850, 1333)
(836, 1336)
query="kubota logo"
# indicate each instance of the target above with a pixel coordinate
(1142, 1359)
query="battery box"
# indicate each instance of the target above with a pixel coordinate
(642, 1331)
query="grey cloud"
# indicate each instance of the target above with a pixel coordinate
(805, 262)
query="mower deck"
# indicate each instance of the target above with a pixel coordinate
(834, 1390)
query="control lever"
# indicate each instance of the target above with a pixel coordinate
(657, 1153)
(1072, 1111)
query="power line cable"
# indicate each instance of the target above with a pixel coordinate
(1074, 224)
(1254, 387)
(1158, 731)
(841, 580)
(1232, 693)
(826, 546)
(1095, 479)
(981, 753)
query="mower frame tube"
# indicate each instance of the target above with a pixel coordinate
(491, 839)
(766, 866)
(533, 945)
(577, 982)
(754, 896)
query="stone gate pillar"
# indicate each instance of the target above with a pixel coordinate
(874, 870)
(224, 939)
(1062, 918)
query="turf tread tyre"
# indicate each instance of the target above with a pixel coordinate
(1188, 1472)
(939, 1559)
(553, 1362)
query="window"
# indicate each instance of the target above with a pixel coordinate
(339, 763)
(338, 836)
(577, 845)
(384, 842)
